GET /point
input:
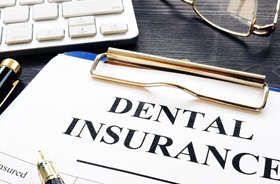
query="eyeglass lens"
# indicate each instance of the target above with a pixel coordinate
(235, 16)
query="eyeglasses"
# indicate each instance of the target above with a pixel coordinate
(236, 17)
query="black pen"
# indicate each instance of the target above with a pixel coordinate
(47, 171)
(10, 71)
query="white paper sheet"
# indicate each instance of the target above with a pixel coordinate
(200, 142)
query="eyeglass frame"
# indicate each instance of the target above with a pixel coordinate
(255, 29)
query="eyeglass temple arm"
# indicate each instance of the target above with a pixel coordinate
(266, 30)
(188, 1)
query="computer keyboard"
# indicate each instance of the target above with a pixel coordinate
(33, 26)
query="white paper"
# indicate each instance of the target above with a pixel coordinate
(161, 150)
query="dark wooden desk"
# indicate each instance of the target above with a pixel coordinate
(170, 28)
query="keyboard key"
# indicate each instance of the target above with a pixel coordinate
(78, 21)
(30, 2)
(45, 11)
(1, 31)
(16, 14)
(113, 28)
(50, 34)
(57, 1)
(7, 3)
(14, 36)
(91, 7)
(82, 31)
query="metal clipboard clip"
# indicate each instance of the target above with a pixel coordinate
(140, 60)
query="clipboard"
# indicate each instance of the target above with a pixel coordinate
(80, 98)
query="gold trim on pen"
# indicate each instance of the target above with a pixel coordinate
(11, 90)
(12, 64)
(46, 169)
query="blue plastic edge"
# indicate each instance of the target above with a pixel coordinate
(274, 89)
(83, 55)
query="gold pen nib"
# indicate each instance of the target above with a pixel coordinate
(41, 155)
(46, 169)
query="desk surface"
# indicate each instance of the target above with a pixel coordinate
(170, 28)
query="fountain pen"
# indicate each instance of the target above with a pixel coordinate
(10, 71)
(47, 171)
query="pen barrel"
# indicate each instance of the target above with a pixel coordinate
(10, 70)
(129, 58)
(55, 181)
(7, 78)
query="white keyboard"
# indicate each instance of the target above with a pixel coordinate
(32, 26)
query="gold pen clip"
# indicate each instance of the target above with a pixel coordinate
(140, 60)
(9, 93)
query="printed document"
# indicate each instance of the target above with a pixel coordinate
(97, 131)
